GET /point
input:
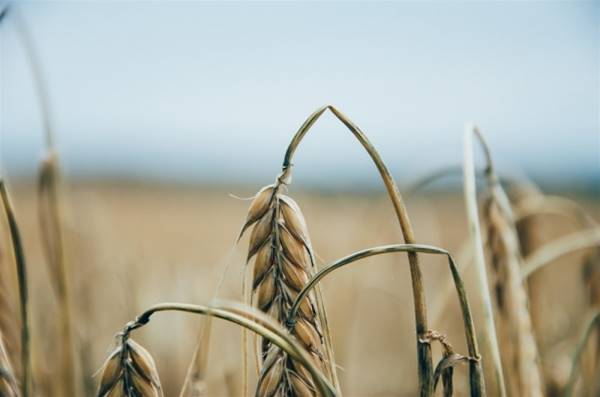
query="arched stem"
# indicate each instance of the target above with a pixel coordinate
(249, 319)
(476, 375)
(423, 350)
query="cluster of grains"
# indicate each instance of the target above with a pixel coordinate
(129, 372)
(8, 384)
(518, 344)
(283, 264)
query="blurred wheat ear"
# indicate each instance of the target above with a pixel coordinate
(517, 339)
(129, 371)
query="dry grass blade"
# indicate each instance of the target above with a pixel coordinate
(283, 263)
(8, 382)
(21, 267)
(129, 372)
(519, 352)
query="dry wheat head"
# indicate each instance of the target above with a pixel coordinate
(283, 264)
(129, 372)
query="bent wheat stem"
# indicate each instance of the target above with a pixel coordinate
(425, 365)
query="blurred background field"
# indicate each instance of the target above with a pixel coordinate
(131, 246)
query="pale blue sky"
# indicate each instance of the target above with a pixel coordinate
(214, 91)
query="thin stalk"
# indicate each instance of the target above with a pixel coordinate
(19, 254)
(470, 193)
(562, 246)
(575, 367)
(476, 376)
(425, 364)
(251, 320)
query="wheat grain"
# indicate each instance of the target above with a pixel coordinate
(129, 372)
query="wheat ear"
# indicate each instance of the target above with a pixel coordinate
(129, 371)
(283, 263)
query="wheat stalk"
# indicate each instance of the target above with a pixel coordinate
(129, 372)
(425, 365)
(283, 262)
